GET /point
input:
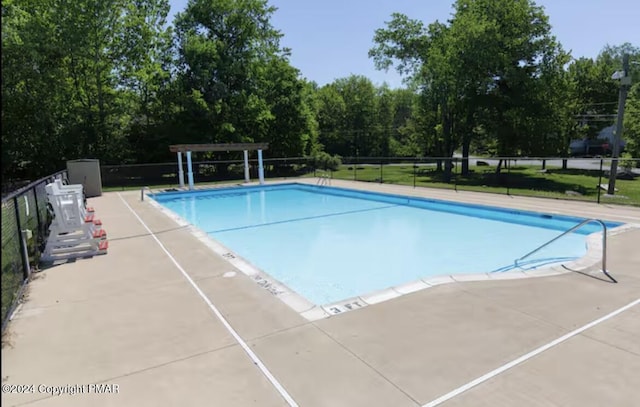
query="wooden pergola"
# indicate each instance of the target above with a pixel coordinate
(246, 147)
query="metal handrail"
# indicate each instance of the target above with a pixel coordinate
(578, 226)
(142, 193)
(323, 179)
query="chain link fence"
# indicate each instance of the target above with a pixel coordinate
(25, 221)
(584, 179)
(166, 174)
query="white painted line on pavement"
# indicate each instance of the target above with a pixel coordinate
(217, 313)
(527, 356)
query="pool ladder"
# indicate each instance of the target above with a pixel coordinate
(142, 193)
(323, 180)
(578, 226)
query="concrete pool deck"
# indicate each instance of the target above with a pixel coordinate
(133, 319)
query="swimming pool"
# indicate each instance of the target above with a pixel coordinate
(330, 244)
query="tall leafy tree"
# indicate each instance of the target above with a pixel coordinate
(632, 122)
(35, 98)
(383, 121)
(420, 53)
(235, 81)
(593, 97)
(80, 73)
(223, 46)
(331, 115)
(359, 95)
(415, 125)
(144, 75)
(89, 35)
(483, 64)
(512, 68)
(291, 132)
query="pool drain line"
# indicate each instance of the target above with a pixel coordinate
(256, 360)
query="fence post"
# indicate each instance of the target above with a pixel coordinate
(23, 246)
(355, 169)
(455, 179)
(35, 199)
(600, 180)
(415, 165)
(508, 175)
(381, 164)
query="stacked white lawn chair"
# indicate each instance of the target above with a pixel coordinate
(74, 231)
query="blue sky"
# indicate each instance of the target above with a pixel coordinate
(330, 39)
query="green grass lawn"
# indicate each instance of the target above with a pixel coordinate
(521, 180)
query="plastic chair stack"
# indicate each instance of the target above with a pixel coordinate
(74, 231)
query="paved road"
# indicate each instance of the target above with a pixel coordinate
(577, 163)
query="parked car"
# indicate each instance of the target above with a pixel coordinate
(602, 145)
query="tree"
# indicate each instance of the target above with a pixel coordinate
(144, 73)
(514, 69)
(223, 46)
(415, 124)
(419, 52)
(383, 121)
(593, 95)
(235, 81)
(292, 130)
(79, 77)
(632, 121)
(90, 34)
(359, 96)
(34, 91)
(484, 64)
(331, 116)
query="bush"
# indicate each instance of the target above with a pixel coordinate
(325, 161)
(627, 163)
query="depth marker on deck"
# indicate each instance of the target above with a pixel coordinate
(256, 360)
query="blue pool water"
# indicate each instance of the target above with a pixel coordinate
(330, 244)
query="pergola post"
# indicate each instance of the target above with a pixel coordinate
(189, 170)
(180, 170)
(246, 166)
(245, 147)
(260, 168)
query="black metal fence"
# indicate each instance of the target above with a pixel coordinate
(25, 220)
(166, 174)
(566, 178)
(584, 179)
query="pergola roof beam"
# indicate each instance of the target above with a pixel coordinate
(218, 147)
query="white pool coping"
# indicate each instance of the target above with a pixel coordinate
(313, 312)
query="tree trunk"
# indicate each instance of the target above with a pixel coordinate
(544, 164)
(446, 131)
(466, 141)
(564, 163)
